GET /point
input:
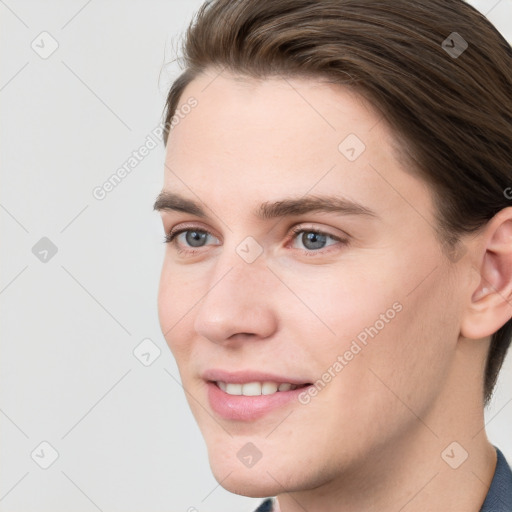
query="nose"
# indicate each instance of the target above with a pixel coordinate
(238, 304)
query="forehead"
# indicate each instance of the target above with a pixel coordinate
(273, 109)
(269, 121)
(249, 138)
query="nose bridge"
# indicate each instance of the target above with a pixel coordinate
(240, 267)
(237, 299)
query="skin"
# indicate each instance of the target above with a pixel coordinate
(372, 439)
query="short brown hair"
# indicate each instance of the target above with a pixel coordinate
(451, 113)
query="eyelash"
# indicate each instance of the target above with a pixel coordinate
(170, 238)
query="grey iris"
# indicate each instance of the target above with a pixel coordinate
(313, 240)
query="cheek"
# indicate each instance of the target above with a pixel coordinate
(379, 325)
(344, 305)
(177, 295)
(407, 362)
(427, 336)
(387, 369)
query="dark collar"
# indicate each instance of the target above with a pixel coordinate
(499, 496)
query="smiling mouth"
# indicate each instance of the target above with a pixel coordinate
(257, 388)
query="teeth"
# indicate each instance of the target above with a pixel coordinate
(249, 389)
(234, 389)
(255, 388)
(269, 388)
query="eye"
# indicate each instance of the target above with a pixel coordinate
(313, 240)
(190, 237)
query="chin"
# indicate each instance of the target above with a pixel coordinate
(249, 482)
(267, 477)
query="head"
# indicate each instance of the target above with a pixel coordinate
(395, 297)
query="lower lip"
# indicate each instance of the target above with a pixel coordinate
(248, 408)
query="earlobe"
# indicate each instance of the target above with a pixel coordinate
(490, 304)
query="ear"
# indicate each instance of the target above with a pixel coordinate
(490, 305)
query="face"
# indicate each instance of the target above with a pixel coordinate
(356, 299)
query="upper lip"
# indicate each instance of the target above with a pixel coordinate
(246, 376)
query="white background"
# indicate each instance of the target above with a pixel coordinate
(124, 434)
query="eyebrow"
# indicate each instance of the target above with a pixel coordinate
(168, 201)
